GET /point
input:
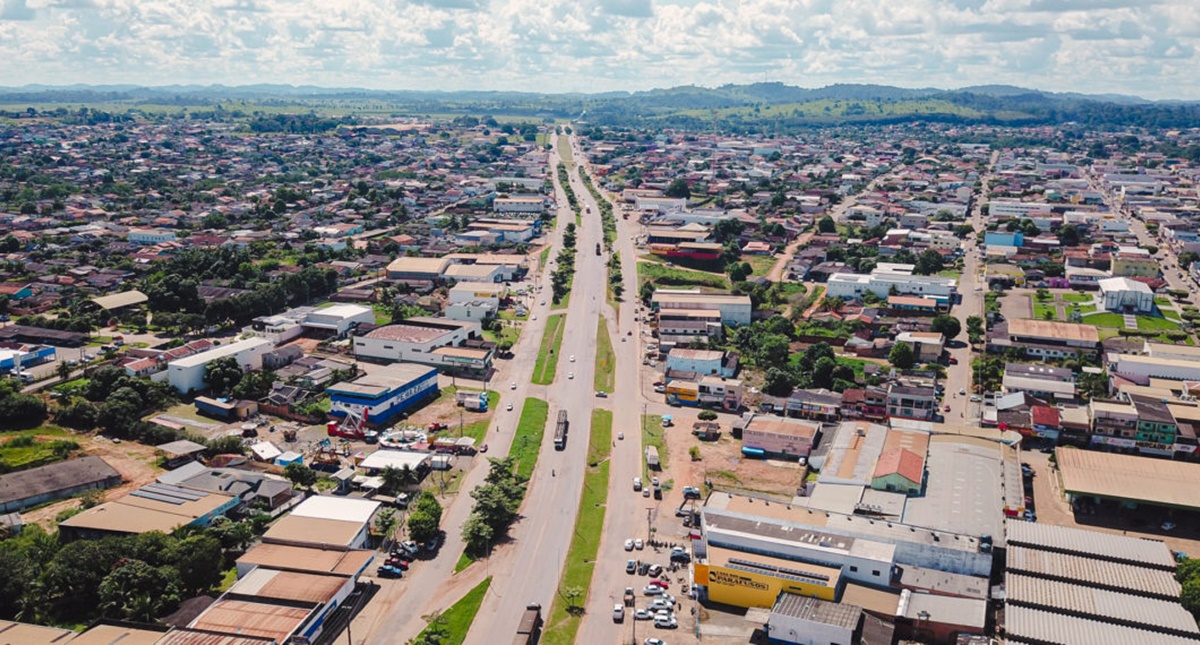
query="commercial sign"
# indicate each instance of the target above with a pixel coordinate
(736, 580)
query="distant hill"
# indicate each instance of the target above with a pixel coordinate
(749, 107)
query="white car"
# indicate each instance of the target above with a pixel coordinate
(618, 613)
(639, 544)
(534, 316)
(651, 590)
(508, 407)
(512, 385)
(659, 604)
(571, 358)
(628, 545)
(668, 623)
(654, 641)
(642, 614)
(570, 375)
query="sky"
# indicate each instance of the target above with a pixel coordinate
(1142, 47)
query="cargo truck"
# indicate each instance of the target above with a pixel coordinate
(652, 457)
(560, 431)
(531, 625)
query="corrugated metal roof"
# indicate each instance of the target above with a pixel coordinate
(1025, 625)
(1091, 544)
(1133, 610)
(245, 618)
(1094, 573)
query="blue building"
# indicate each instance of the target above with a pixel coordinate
(702, 362)
(16, 356)
(1002, 238)
(386, 393)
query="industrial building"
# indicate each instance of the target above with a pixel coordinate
(422, 339)
(187, 374)
(743, 579)
(18, 355)
(1129, 480)
(800, 620)
(771, 436)
(417, 269)
(56, 481)
(382, 395)
(326, 522)
(886, 279)
(1044, 338)
(1072, 585)
(336, 321)
(305, 559)
(154, 507)
(735, 310)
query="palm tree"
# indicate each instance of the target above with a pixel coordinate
(832, 304)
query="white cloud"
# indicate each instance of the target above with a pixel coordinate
(1129, 46)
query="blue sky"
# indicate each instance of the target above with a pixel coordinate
(1143, 47)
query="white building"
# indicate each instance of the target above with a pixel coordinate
(735, 310)
(426, 340)
(336, 320)
(1126, 296)
(884, 278)
(519, 205)
(800, 620)
(1004, 208)
(339, 319)
(150, 236)
(1157, 367)
(187, 374)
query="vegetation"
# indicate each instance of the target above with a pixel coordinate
(662, 275)
(653, 435)
(451, 626)
(902, 356)
(496, 503)
(606, 359)
(527, 441)
(546, 366)
(560, 280)
(18, 410)
(31, 449)
(425, 519)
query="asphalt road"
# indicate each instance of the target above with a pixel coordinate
(542, 537)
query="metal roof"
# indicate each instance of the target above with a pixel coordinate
(118, 300)
(1073, 599)
(1129, 477)
(818, 611)
(1025, 625)
(1093, 573)
(50, 478)
(1090, 544)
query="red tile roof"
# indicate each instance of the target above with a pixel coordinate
(900, 461)
(1045, 415)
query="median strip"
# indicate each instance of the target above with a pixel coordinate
(546, 365)
(450, 627)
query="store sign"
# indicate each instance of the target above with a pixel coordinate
(736, 580)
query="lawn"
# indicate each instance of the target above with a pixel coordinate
(547, 359)
(509, 332)
(34, 448)
(455, 622)
(1106, 319)
(606, 359)
(1078, 298)
(1155, 324)
(1162, 301)
(652, 435)
(564, 302)
(544, 257)
(564, 151)
(1039, 311)
(665, 276)
(562, 623)
(383, 314)
(528, 438)
(760, 265)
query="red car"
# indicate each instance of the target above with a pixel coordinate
(661, 584)
(947, 408)
(953, 361)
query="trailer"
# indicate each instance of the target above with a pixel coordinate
(652, 458)
(560, 431)
(531, 625)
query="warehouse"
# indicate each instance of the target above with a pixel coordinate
(417, 269)
(1035, 627)
(381, 396)
(1129, 480)
(744, 579)
(17, 355)
(800, 620)
(187, 374)
(735, 309)
(414, 340)
(35, 486)
(326, 522)
(769, 436)
(277, 621)
(155, 507)
(305, 559)
(1099, 574)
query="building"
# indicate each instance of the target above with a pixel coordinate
(1130, 480)
(900, 469)
(1124, 295)
(911, 402)
(927, 346)
(422, 339)
(1140, 368)
(382, 395)
(18, 355)
(326, 522)
(685, 326)
(852, 453)
(281, 557)
(1010, 209)
(154, 507)
(187, 374)
(770, 436)
(25, 488)
(118, 301)
(702, 362)
(338, 320)
(324, 593)
(519, 205)
(417, 269)
(743, 579)
(735, 310)
(474, 300)
(1044, 338)
(150, 236)
(29, 634)
(802, 620)
(887, 280)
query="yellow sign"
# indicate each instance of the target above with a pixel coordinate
(740, 588)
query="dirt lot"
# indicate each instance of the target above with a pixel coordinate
(134, 461)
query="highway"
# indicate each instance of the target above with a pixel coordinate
(531, 569)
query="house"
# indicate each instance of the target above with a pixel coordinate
(911, 402)
(150, 236)
(1124, 295)
(1044, 338)
(927, 346)
(702, 362)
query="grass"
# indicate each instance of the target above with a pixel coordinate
(1039, 311)
(562, 303)
(544, 257)
(1151, 323)
(228, 578)
(564, 151)
(760, 265)
(464, 561)
(665, 276)
(383, 314)
(32, 449)
(856, 364)
(562, 623)
(606, 359)
(1106, 319)
(1077, 298)
(653, 435)
(510, 332)
(477, 430)
(547, 359)
(528, 438)
(456, 621)
(950, 273)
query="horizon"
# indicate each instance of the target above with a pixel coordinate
(1119, 47)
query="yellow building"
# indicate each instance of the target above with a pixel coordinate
(751, 580)
(684, 392)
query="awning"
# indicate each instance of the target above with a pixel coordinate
(753, 452)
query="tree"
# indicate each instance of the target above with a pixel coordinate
(929, 263)
(477, 535)
(738, 271)
(425, 520)
(707, 415)
(227, 445)
(571, 596)
(386, 522)
(975, 329)
(778, 381)
(902, 356)
(300, 475)
(63, 370)
(137, 591)
(395, 479)
(822, 373)
(826, 225)
(947, 325)
(199, 560)
(678, 189)
(1190, 596)
(223, 374)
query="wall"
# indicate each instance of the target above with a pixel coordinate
(383, 410)
(746, 589)
(774, 443)
(792, 630)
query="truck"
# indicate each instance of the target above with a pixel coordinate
(652, 457)
(597, 248)
(531, 625)
(560, 431)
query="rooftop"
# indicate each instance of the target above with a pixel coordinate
(221, 351)
(418, 265)
(818, 611)
(63, 475)
(314, 531)
(345, 509)
(384, 380)
(1130, 477)
(252, 619)
(301, 558)
(963, 493)
(289, 585)
(118, 300)
(27, 634)
(1027, 625)
(408, 332)
(1124, 578)
(808, 537)
(950, 610)
(1108, 606)
(154, 507)
(1053, 330)
(121, 634)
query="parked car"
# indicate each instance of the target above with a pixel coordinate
(666, 623)
(660, 583)
(653, 641)
(637, 483)
(655, 570)
(691, 492)
(658, 604)
(628, 545)
(639, 544)
(651, 590)
(1168, 526)
(618, 613)
(642, 614)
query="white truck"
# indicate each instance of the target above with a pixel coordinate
(652, 457)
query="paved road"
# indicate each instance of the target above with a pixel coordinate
(531, 571)
(394, 615)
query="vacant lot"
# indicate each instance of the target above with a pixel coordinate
(665, 276)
